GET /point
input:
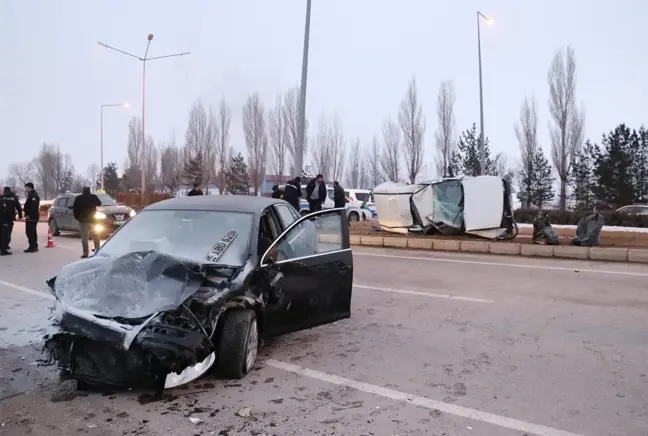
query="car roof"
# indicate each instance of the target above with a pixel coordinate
(225, 203)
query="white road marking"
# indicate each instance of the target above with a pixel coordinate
(27, 290)
(423, 294)
(509, 265)
(452, 409)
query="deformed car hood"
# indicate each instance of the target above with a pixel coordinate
(134, 285)
(114, 209)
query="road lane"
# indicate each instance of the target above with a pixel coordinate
(544, 345)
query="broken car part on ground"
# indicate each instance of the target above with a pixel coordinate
(136, 315)
(479, 206)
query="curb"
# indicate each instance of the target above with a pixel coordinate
(616, 254)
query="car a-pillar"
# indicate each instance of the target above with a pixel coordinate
(239, 339)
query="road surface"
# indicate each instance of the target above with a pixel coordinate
(438, 344)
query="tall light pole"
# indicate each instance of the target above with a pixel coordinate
(301, 126)
(144, 60)
(482, 153)
(125, 105)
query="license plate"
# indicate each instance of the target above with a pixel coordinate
(118, 223)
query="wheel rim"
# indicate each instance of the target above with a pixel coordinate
(252, 346)
(353, 217)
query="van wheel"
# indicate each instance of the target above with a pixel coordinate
(354, 217)
(239, 343)
(54, 228)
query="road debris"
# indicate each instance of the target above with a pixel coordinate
(244, 412)
(195, 420)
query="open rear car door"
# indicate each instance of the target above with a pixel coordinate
(312, 265)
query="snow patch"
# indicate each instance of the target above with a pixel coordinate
(605, 228)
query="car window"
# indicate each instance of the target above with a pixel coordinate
(329, 193)
(315, 235)
(361, 196)
(200, 236)
(67, 201)
(641, 209)
(55, 203)
(106, 200)
(628, 209)
(285, 215)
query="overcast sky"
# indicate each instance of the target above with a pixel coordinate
(54, 76)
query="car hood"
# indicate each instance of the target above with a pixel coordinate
(114, 209)
(131, 286)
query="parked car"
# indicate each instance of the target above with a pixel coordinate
(109, 217)
(195, 282)
(364, 199)
(636, 209)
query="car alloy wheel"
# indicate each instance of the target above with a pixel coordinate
(353, 217)
(252, 347)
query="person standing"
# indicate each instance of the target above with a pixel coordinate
(338, 195)
(292, 192)
(84, 209)
(316, 193)
(32, 217)
(9, 208)
(197, 190)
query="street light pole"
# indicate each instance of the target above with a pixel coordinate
(126, 105)
(143, 60)
(482, 152)
(301, 127)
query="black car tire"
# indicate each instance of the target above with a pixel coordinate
(54, 227)
(233, 343)
(353, 217)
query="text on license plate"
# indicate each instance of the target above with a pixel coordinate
(118, 223)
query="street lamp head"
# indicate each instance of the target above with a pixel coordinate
(127, 105)
(150, 36)
(490, 21)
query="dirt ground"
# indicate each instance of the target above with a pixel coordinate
(608, 239)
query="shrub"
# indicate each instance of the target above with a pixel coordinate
(137, 202)
(572, 217)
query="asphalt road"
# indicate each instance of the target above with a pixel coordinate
(438, 344)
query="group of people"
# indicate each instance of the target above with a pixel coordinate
(315, 193)
(10, 208)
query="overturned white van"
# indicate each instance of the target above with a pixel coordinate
(479, 206)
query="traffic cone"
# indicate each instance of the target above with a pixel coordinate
(50, 241)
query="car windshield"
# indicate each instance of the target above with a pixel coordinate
(361, 196)
(197, 235)
(107, 200)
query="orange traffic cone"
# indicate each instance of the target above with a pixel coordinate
(50, 241)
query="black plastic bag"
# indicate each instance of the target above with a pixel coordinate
(543, 233)
(588, 231)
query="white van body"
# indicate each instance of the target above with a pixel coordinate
(476, 205)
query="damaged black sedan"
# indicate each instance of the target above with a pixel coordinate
(197, 282)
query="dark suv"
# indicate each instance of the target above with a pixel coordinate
(110, 215)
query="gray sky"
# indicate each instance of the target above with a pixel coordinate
(54, 76)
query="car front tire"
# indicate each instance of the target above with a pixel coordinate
(54, 227)
(354, 217)
(239, 343)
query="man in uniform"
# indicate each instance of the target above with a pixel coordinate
(32, 216)
(9, 207)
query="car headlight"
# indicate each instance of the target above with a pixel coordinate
(132, 213)
(100, 216)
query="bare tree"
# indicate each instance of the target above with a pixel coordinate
(337, 146)
(445, 134)
(54, 171)
(134, 149)
(170, 167)
(223, 122)
(355, 166)
(527, 132)
(567, 119)
(200, 142)
(321, 150)
(291, 121)
(150, 156)
(22, 172)
(92, 174)
(278, 133)
(412, 122)
(390, 156)
(375, 173)
(256, 139)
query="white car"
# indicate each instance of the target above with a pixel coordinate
(354, 211)
(363, 199)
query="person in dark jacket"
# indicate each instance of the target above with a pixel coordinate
(276, 192)
(338, 195)
(84, 209)
(293, 193)
(316, 193)
(32, 216)
(9, 208)
(197, 190)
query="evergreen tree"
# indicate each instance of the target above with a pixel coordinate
(193, 168)
(536, 182)
(467, 159)
(639, 169)
(238, 176)
(613, 167)
(582, 180)
(111, 179)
